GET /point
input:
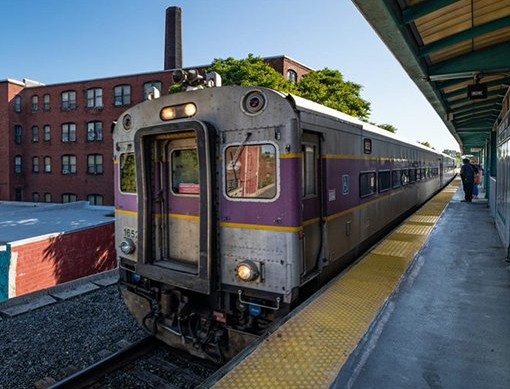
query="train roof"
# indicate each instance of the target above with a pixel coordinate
(311, 106)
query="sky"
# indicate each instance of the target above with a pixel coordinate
(55, 41)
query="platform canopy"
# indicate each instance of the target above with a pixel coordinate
(458, 54)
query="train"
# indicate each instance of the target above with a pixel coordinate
(234, 204)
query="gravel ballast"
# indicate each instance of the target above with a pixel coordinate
(63, 337)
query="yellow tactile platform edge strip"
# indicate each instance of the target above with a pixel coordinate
(309, 350)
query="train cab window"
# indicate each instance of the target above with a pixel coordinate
(185, 173)
(250, 171)
(384, 179)
(127, 173)
(367, 184)
(395, 178)
(309, 171)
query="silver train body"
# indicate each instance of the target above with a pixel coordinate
(233, 204)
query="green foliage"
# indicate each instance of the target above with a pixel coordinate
(454, 154)
(426, 144)
(252, 71)
(388, 127)
(327, 87)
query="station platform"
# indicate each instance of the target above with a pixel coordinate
(428, 307)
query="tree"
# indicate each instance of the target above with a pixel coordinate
(252, 71)
(387, 127)
(454, 154)
(426, 144)
(327, 87)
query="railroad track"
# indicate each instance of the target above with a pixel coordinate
(147, 363)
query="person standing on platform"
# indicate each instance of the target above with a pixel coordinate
(467, 174)
(478, 177)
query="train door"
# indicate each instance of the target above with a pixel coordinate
(311, 202)
(176, 206)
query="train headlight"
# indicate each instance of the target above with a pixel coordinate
(247, 271)
(127, 246)
(178, 111)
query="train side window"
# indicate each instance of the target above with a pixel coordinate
(412, 175)
(127, 173)
(384, 179)
(185, 173)
(404, 179)
(250, 171)
(395, 178)
(367, 184)
(309, 170)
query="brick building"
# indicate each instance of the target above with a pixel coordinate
(57, 142)
(57, 138)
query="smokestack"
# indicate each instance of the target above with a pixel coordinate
(173, 38)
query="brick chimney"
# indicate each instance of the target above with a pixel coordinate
(173, 38)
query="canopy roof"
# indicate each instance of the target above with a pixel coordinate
(446, 46)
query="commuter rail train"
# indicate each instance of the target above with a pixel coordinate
(233, 204)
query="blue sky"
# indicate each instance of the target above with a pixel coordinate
(55, 41)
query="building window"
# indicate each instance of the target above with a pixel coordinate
(69, 198)
(95, 164)
(46, 103)
(47, 133)
(47, 164)
(94, 131)
(47, 197)
(18, 164)
(17, 134)
(35, 164)
(95, 98)
(122, 95)
(35, 134)
(17, 104)
(68, 101)
(18, 194)
(147, 88)
(95, 199)
(69, 164)
(35, 197)
(292, 75)
(35, 103)
(68, 132)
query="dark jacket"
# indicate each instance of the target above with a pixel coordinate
(468, 172)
